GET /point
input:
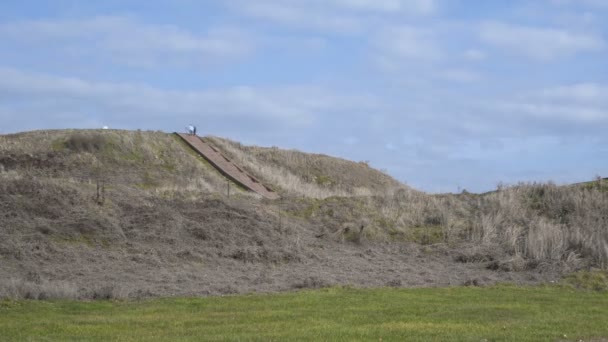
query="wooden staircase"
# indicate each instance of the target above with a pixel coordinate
(226, 167)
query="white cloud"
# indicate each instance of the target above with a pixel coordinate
(397, 44)
(581, 92)
(128, 41)
(542, 110)
(299, 14)
(342, 16)
(410, 6)
(588, 3)
(585, 103)
(52, 95)
(539, 43)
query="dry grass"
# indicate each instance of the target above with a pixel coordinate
(16, 289)
(38, 290)
(536, 222)
(153, 162)
(165, 209)
(546, 222)
(308, 175)
(533, 221)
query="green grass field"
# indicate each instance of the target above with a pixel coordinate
(506, 313)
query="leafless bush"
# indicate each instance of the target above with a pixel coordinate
(476, 255)
(311, 282)
(253, 254)
(107, 292)
(394, 283)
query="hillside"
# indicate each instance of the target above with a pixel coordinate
(309, 175)
(103, 214)
(139, 161)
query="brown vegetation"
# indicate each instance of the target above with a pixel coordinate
(309, 175)
(546, 222)
(166, 226)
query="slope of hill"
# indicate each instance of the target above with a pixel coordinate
(310, 175)
(101, 214)
(139, 160)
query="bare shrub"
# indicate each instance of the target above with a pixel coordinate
(107, 292)
(476, 254)
(312, 282)
(394, 283)
(473, 282)
(254, 254)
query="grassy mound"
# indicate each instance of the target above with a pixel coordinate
(310, 175)
(112, 214)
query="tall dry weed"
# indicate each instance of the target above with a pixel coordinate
(545, 221)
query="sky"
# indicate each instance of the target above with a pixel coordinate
(443, 95)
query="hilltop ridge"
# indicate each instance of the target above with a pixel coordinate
(158, 160)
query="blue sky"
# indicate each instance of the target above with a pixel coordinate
(442, 94)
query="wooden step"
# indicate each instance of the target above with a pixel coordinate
(227, 167)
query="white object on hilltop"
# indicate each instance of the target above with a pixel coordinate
(105, 127)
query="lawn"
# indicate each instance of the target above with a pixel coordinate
(506, 313)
